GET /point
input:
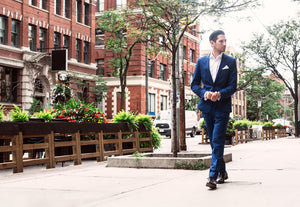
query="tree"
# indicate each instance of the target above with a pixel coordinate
(263, 89)
(172, 18)
(122, 33)
(279, 52)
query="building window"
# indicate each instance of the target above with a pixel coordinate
(184, 52)
(163, 102)
(79, 11)
(32, 2)
(66, 42)
(100, 5)
(121, 4)
(151, 104)
(8, 84)
(57, 7)
(3, 30)
(86, 47)
(86, 13)
(31, 37)
(78, 50)
(162, 72)
(100, 67)
(162, 41)
(67, 8)
(38, 86)
(184, 78)
(192, 55)
(43, 4)
(56, 40)
(15, 33)
(151, 68)
(99, 37)
(83, 91)
(42, 39)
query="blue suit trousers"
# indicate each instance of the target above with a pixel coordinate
(216, 124)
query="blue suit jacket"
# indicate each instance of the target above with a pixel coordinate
(225, 83)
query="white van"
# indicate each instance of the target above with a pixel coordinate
(163, 122)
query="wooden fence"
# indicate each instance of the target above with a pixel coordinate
(48, 143)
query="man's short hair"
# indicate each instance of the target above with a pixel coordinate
(214, 36)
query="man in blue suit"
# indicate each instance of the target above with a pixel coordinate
(214, 81)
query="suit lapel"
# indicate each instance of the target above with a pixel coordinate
(222, 65)
(207, 71)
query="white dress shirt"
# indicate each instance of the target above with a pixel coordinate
(214, 64)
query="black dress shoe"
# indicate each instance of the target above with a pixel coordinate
(212, 184)
(222, 177)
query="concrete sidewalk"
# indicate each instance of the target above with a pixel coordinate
(261, 174)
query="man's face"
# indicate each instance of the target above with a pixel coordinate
(220, 44)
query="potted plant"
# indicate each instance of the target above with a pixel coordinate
(18, 115)
(230, 133)
(45, 116)
(145, 123)
(1, 113)
(268, 126)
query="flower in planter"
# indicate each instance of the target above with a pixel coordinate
(77, 111)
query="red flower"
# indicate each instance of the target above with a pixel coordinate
(63, 111)
(60, 116)
(96, 115)
(86, 109)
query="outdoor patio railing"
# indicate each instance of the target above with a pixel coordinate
(27, 144)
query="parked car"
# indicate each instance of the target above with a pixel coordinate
(163, 122)
(290, 128)
(199, 129)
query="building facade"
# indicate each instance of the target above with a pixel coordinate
(29, 31)
(159, 72)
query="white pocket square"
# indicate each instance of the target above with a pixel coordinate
(225, 68)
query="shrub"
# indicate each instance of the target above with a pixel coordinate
(230, 129)
(78, 111)
(47, 115)
(278, 125)
(133, 122)
(241, 124)
(145, 120)
(156, 138)
(268, 124)
(1, 113)
(18, 115)
(126, 117)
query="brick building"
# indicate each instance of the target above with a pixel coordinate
(29, 30)
(159, 86)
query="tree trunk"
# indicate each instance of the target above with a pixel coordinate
(296, 102)
(182, 141)
(174, 120)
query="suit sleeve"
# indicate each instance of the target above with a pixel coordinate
(196, 82)
(232, 82)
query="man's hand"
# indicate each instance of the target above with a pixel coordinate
(214, 96)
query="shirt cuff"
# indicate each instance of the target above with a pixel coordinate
(205, 96)
(219, 96)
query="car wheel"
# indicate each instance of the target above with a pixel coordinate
(193, 132)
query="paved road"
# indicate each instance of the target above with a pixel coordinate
(261, 174)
